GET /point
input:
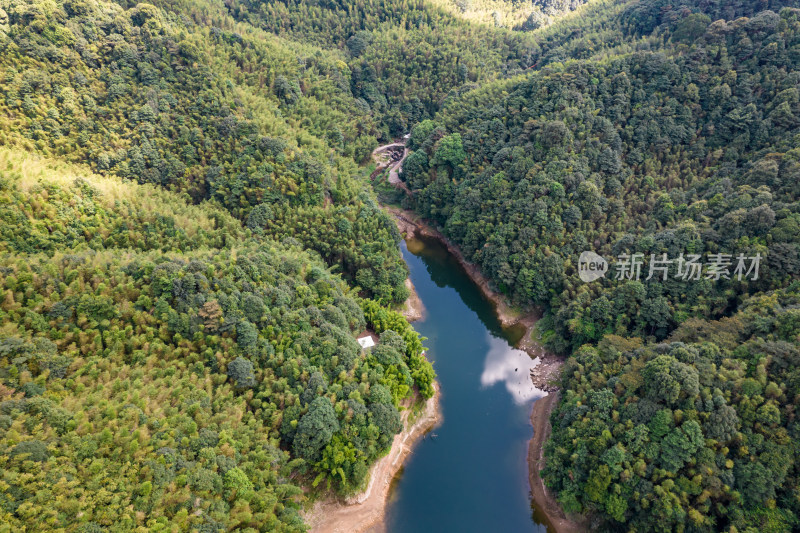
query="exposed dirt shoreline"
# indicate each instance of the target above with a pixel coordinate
(548, 507)
(366, 511)
(413, 308)
(411, 225)
(546, 372)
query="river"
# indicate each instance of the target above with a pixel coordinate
(469, 474)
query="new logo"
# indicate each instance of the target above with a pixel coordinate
(591, 266)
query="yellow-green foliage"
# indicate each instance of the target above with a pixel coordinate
(517, 14)
(157, 362)
(48, 205)
(213, 108)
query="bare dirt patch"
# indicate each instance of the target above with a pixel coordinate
(413, 308)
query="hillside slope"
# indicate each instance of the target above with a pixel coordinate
(234, 117)
(179, 311)
(683, 143)
(163, 367)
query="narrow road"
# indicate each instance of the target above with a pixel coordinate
(394, 167)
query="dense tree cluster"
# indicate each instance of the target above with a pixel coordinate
(151, 96)
(649, 153)
(404, 57)
(686, 143)
(178, 323)
(160, 367)
(699, 433)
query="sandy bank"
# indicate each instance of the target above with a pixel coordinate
(413, 308)
(548, 509)
(366, 510)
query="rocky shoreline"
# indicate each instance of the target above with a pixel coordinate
(413, 309)
(548, 507)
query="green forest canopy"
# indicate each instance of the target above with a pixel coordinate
(685, 141)
(179, 312)
(162, 366)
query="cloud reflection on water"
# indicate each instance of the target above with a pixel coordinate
(512, 367)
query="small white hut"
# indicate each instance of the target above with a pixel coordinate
(366, 342)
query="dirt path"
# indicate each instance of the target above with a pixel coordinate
(549, 509)
(395, 167)
(413, 308)
(366, 511)
(394, 172)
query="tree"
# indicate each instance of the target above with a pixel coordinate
(449, 152)
(315, 429)
(387, 419)
(691, 27)
(659, 381)
(317, 386)
(32, 450)
(211, 313)
(247, 337)
(414, 170)
(358, 43)
(259, 217)
(655, 314)
(722, 424)
(237, 483)
(680, 445)
(240, 371)
(288, 91)
(420, 134)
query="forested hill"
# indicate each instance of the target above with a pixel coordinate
(256, 124)
(163, 367)
(678, 404)
(189, 246)
(179, 312)
(646, 152)
(405, 57)
(524, 16)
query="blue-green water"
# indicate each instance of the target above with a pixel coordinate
(473, 474)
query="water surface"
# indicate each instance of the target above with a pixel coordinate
(470, 474)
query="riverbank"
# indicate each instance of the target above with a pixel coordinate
(413, 309)
(544, 375)
(547, 506)
(411, 225)
(366, 511)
